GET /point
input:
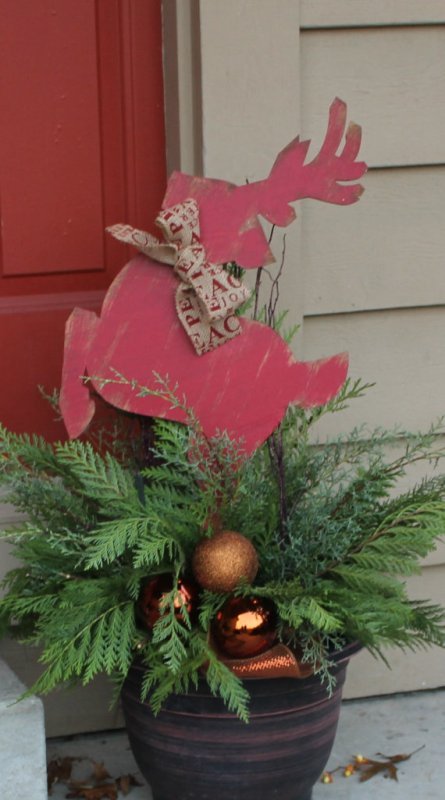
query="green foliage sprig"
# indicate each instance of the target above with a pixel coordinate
(98, 524)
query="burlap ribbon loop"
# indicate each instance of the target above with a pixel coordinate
(207, 295)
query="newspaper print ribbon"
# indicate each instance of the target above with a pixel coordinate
(207, 295)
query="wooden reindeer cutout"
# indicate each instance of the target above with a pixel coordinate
(245, 386)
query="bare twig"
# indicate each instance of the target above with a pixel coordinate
(257, 291)
(275, 289)
(259, 275)
(276, 454)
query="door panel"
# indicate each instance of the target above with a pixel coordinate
(83, 147)
(51, 167)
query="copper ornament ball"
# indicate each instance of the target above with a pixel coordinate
(223, 560)
(154, 590)
(245, 627)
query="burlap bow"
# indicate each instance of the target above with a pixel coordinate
(207, 295)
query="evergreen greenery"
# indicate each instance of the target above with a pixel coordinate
(334, 535)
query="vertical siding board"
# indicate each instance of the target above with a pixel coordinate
(251, 105)
(383, 259)
(387, 251)
(402, 351)
(352, 13)
(397, 98)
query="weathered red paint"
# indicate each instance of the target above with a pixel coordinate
(243, 387)
(228, 214)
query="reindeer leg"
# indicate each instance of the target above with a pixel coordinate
(317, 382)
(76, 404)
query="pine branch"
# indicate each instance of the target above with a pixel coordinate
(114, 538)
(210, 603)
(312, 610)
(89, 651)
(102, 479)
(223, 682)
(172, 630)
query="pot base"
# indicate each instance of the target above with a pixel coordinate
(296, 797)
(197, 750)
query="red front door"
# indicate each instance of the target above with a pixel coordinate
(82, 147)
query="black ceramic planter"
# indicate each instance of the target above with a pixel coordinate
(196, 750)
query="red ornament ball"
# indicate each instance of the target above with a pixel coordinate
(245, 627)
(155, 589)
(221, 561)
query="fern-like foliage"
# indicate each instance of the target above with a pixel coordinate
(335, 537)
(201, 660)
(87, 627)
(102, 478)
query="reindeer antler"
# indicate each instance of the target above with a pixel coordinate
(228, 213)
(321, 179)
(327, 169)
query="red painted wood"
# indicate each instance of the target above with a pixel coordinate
(70, 158)
(243, 387)
(144, 117)
(51, 180)
(228, 214)
(31, 353)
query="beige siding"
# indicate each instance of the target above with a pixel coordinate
(373, 254)
(393, 82)
(249, 63)
(348, 13)
(374, 274)
(402, 351)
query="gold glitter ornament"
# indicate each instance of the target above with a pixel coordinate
(223, 560)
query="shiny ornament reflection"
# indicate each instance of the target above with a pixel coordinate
(245, 627)
(154, 592)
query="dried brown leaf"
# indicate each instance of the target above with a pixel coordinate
(125, 782)
(391, 771)
(100, 773)
(59, 770)
(400, 756)
(387, 767)
(371, 771)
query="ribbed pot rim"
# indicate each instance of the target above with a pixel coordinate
(276, 685)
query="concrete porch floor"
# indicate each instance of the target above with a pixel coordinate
(396, 724)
